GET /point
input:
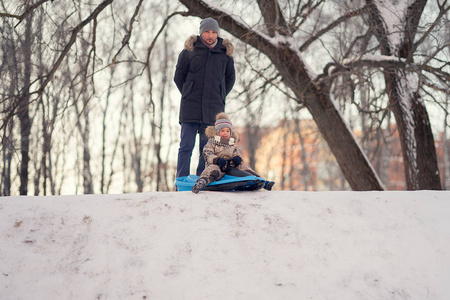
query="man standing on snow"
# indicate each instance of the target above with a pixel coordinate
(204, 75)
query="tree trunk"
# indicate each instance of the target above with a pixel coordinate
(317, 99)
(136, 155)
(252, 136)
(446, 149)
(7, 154)
(87, 175)
(352, 160)
(416, 137)
(304, 173)
(24, 116)
(8, 129)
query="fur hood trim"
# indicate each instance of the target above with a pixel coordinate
(211, 133)
(229, 46)
(189, 45)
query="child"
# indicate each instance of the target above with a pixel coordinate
(220, 153)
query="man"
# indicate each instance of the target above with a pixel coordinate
(204, 75)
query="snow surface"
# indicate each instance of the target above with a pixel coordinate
(219, 245)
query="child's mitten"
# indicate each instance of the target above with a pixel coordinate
(236, 161)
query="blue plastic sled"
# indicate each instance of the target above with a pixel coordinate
(227, 183)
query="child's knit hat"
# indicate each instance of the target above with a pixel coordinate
(222, 121)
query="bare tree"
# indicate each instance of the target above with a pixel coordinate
(8, 89)
(32, 84)
(161, 170)
(137, 142)
(252, 90)
(419, 152)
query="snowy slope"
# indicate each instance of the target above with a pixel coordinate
(248, 245)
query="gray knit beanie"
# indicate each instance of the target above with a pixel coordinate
(222, 123)
(209, 24)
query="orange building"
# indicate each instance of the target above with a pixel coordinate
(294, 155)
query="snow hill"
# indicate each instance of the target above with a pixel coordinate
(218, 245)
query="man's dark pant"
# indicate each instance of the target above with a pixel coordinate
(188, 134)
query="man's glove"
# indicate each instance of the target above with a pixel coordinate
(222, 163)
(236, 161)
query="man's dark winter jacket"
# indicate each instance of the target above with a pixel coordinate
(204, 77)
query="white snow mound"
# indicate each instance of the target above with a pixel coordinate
(219, 245)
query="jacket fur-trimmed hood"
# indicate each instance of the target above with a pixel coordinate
(189, 45)
(210, 131)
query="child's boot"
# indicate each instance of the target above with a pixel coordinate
(199, 185)
(268, 185)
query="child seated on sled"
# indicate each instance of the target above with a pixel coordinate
(220, 153)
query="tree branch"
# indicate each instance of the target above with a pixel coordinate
(442, 11)
(150, 48)
(331, 26)
(26, 13)
(61, 57)
(72, 40)
(232, 24)
(309, 7)
(273, 18)
(388, 62)
(126, 38)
